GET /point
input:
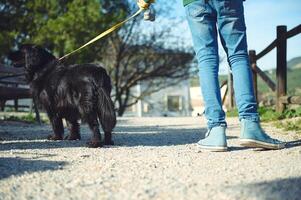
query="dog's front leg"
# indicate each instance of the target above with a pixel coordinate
(58, 128)
(96, 137)
(108, 138)
(74, 131)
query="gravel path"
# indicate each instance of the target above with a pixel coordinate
(154, 158)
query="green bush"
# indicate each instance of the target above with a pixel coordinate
(29, 118)
(269, 114)
(290, 126)
(232, 113)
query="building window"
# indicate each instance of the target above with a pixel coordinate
(145, 107)
(174, 103)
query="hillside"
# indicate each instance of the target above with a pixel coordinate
(293, 77)
(294, 63)
(293, 81)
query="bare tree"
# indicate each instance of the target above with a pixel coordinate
(133, 57)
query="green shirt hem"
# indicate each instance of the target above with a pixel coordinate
(185, 2)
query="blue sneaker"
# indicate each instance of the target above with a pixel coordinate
(253, 136)
(215, 139)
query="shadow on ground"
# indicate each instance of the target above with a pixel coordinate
(293, 144)
(40, 144)
(123, 136)
(280, 189)
(19, 166)
(157, 136)
(288, 145)
(33, 137)
(11, 130)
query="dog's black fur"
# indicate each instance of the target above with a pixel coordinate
(72, 92)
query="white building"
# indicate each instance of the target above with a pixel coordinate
(197, 102)
(171, 101)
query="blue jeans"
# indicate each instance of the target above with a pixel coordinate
(206, 19)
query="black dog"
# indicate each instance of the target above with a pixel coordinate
(72, 92)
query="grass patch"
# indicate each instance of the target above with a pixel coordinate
(232, 113)
(268, 114)
(290, 126)
(28, 118)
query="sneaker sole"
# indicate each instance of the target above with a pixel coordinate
(213, 149)
(258, 144)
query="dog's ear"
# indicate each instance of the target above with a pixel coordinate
(17, 58)
(38, 50)
(28, 47)
(36, 56)
(15, 55)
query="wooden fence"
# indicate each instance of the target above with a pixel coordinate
(280, 87)
(10, 81)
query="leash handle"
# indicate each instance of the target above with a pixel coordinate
(144, 4)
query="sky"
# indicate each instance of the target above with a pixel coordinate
(262, 17)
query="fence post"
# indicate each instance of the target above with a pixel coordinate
(16, 105)
(16, 101)
(2, 105)
(281, 70)
(253, 63)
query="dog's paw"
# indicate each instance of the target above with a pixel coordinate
(94, 144)
(109, 142)
(72, 137)
(54, 137)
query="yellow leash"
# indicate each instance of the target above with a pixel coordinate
(142, 6)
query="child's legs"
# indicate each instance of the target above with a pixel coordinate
(232, 30)
(202, 22)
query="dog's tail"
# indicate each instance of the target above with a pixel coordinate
(105, 110)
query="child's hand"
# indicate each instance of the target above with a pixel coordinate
(149, 13)
(145, 4)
